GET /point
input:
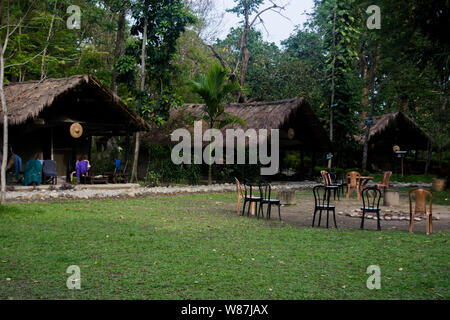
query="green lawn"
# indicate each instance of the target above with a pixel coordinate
(191, 247)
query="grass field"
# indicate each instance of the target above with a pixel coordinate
(191, 247)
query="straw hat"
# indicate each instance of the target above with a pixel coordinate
(76, 130)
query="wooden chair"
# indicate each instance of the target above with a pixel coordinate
(329, 183)
(371, 204)
(385, 182)
(353, 180)
(420, 207)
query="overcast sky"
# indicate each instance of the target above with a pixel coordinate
(279, 28)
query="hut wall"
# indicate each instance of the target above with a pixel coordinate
(31, 143)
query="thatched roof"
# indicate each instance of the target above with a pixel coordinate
(396, 128)
(26, 100)
(286, 114)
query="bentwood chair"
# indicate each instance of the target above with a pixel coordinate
(322, 203)
(265, 189)
(249, 198)
(371, 204)
(353, 180)
(420, 207)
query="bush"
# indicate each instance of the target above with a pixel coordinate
(153, 179)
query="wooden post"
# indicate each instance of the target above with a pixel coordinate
(51, 145)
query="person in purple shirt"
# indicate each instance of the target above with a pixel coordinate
(82, 168)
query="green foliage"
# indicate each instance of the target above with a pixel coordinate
(213, 88)
(161, 169)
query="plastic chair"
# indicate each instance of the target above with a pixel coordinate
(249, 198)
(240, 194)
(322, 203)
(49, 173)
(371, 197)
(385, 182)
(328, 182)
(420, 207)
(265, 189)
(353, 180)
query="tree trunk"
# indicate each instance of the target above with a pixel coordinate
(372, 109)
(142, 87)
(429, 155)
(5, 126)
(332, 84)
(44, 53)
(119, 45)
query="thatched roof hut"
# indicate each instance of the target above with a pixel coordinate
(27, 100)
(396, 129)
(41, 113)
(299, 126)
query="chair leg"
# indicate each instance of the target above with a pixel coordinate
(269, 209)
(362, 219)
(378, 221)
(328, 213)
(314, 217)
(334, 218)
(320, 217)
(279, 211)
(243, 208)
(429, 224)
(411, 222)
(238, 205)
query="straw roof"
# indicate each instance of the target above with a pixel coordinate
(398, 128)
(286, 114)
(26, 100)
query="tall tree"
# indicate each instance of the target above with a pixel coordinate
(251, 12)
(11, 28)
(162, 22)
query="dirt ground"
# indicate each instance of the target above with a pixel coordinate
(301, 214)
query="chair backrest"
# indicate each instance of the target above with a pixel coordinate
(49, 167)
(420, 200)
(248, 189)
(371, 197)
(265, 189)
(386, 177)
(326, 177)
(321, 196)
(239, 187)
(353, 178)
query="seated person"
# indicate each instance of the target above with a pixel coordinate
(33, 173)
(82, 168)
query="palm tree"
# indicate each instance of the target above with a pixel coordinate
(213, 88)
